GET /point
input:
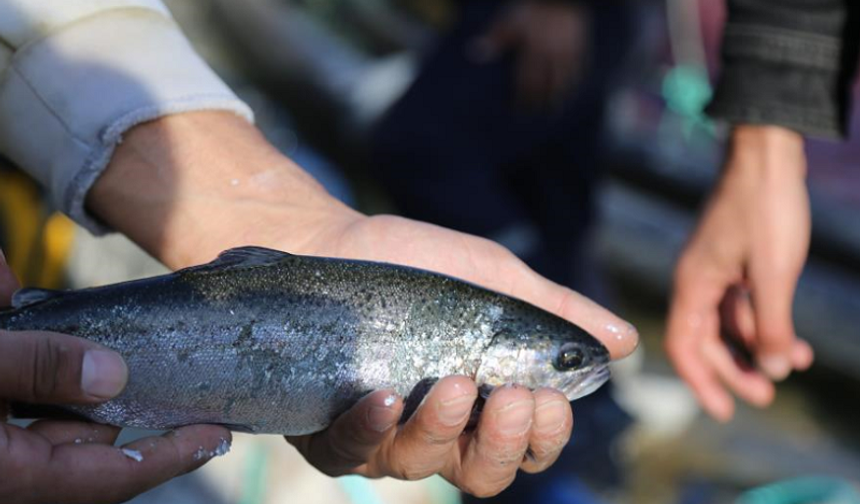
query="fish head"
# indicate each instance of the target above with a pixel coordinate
(563, 357)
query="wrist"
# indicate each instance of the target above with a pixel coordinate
(187, 186)
(765, 154)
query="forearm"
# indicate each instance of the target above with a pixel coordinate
(187, 186)
(75, 76)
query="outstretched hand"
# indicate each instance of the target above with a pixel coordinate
(189, 186)
(518, 429)
(69, 462)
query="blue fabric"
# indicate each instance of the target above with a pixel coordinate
(457, 151)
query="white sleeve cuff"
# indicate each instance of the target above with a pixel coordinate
(66, 99)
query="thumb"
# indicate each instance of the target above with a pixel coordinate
(8, 283)
(43, 367)
(618, 335)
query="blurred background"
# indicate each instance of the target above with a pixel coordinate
(570, 132)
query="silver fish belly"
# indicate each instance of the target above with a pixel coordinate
(267, 342)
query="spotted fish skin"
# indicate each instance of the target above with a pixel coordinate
(268, 342)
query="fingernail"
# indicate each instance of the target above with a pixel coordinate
(381, 418)
(223, 448)
(626, 334)
(551, 417)
(776, 366)
(515, 418)
(104, 374)
(455, 411)
(132, 454)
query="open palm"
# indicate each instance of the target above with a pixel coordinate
(519, 429)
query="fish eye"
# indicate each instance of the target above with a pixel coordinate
(569, 357)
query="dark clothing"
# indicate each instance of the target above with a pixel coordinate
(455, 150)
(788, 63)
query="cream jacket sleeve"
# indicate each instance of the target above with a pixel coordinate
(76, 74)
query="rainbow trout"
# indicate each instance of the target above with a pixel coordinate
(267, 342)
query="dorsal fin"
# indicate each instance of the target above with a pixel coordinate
(27, 297)
(241, 257)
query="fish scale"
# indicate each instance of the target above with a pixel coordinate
(268, 342)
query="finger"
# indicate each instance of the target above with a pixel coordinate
(93, 474)
(96, 473)
(750, 385)
(618, 335)
(508, 274)
(737, 315)
(693, 319)
(553, 423)
(693, 367)
(8, 282)
(802, 355)
(74, 432)
(43, 367)
(493, 456)
(354, 437)
(772, 301)
(425, 444)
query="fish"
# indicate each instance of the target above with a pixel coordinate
(268, 342)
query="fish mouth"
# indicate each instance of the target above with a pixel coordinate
(589, 384)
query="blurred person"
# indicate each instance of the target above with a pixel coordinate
(111, 110)
(500, 136)
(787, 72)
(500, 133)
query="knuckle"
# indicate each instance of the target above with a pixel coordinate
(177, 463)
(498, 441)
(39, 376)
(507, 456)
(342, 456)
(411, 471)
(544, 451)
(687, 269)
(435, 438)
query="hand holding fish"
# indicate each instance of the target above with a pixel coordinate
(72, 461)
(518, 429)
(735, 281)
(189, 186)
